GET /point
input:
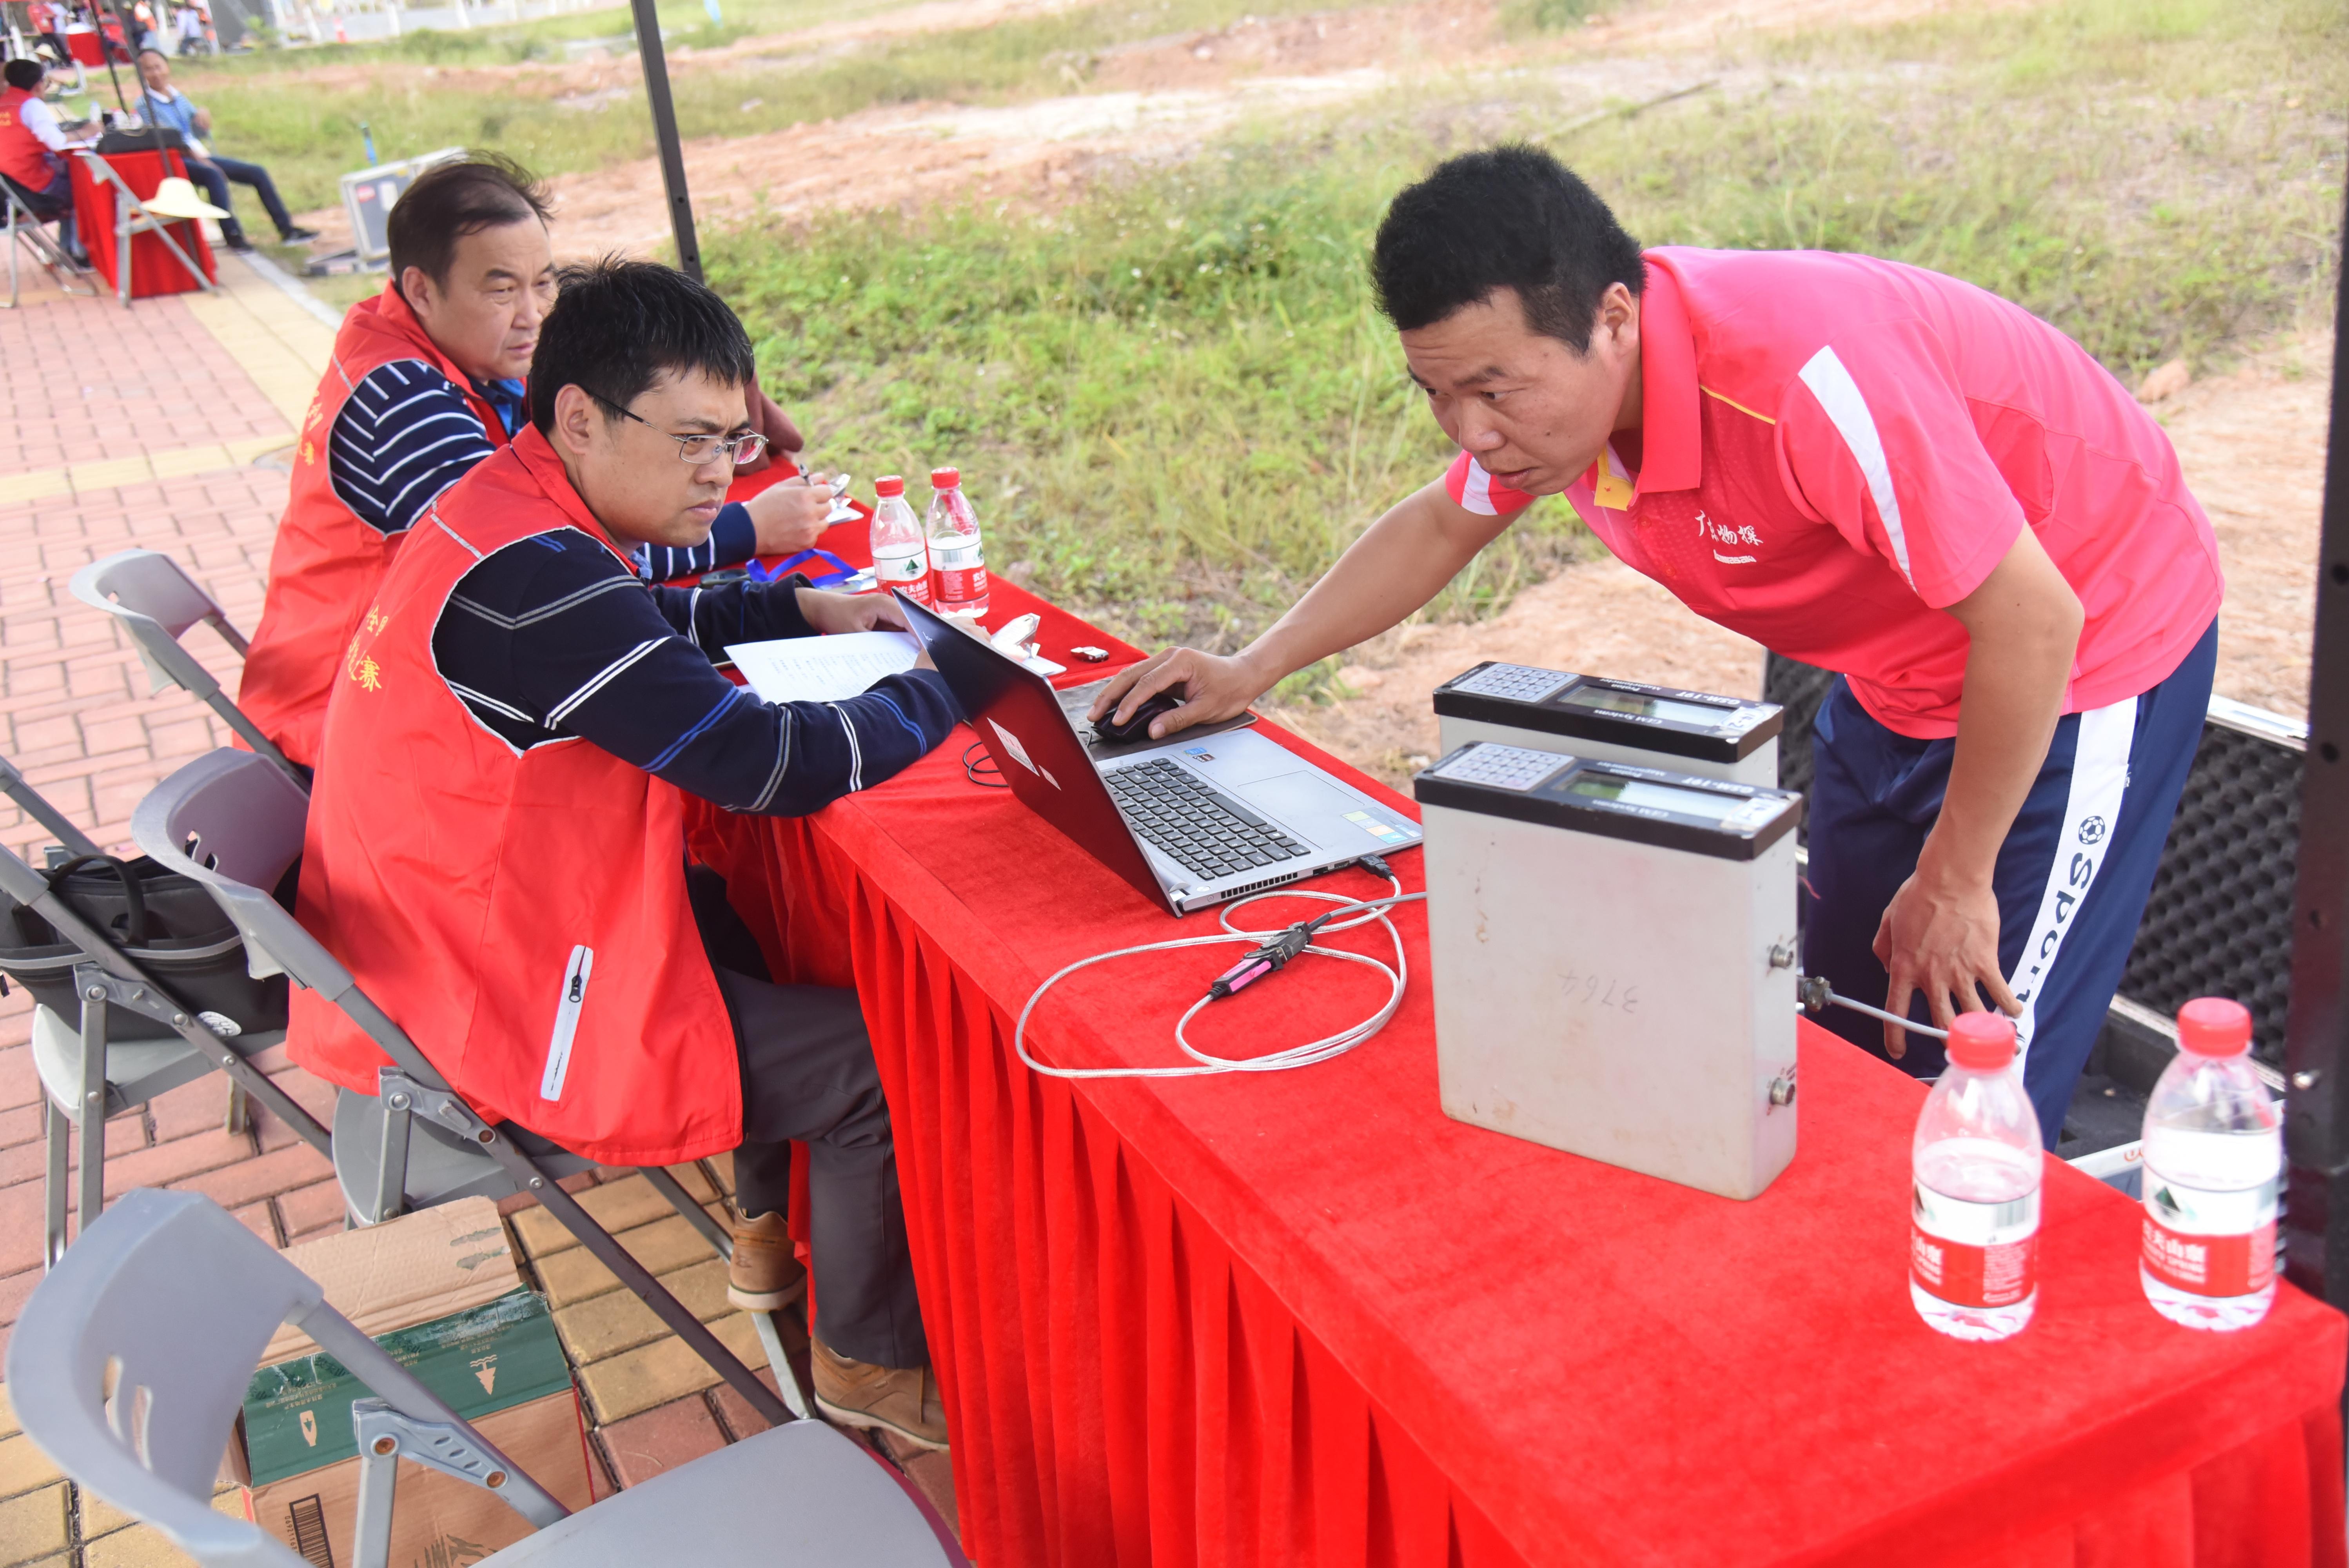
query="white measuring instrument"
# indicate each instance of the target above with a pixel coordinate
(1613, 956)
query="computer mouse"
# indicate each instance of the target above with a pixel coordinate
(1106, 727)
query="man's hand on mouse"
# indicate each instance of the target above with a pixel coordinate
(1218, 687)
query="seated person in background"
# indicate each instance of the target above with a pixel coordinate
(496, 845)
(426, 382)
(49, 27)
(159, 104)
(33, 151)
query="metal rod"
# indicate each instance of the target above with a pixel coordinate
(2316, 1033)
(637, 1278)
(699, 1218)
(787, 1377)
(672, 152)
(1827, 997)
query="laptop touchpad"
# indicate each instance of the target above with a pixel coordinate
(1303, 801)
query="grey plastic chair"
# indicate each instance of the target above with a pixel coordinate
(158, 603)
(178, 1300)
(88, 1073)
(235, 823)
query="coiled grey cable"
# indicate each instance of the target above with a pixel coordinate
(1304, 1055)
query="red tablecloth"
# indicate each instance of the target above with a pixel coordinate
(1304, 1318)
(153, 269)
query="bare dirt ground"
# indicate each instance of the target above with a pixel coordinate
(1157, 99)
(2252, 439)
(2252, 444)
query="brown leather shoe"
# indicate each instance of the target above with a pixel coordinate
(766, 1275)
(893, 1400)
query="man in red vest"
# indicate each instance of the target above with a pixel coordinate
(496, 843)
(33, 150)
(426, 381)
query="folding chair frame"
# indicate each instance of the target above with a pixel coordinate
(22, 228)
(411, 1087)
(108, 979)
(156, 1235)
(132, 218)
(169, 663)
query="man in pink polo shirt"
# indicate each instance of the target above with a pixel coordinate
(1861, 465)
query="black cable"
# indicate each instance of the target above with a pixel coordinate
(983, 772)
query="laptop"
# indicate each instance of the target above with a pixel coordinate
(1213, 814)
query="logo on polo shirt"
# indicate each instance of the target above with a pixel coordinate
(1718, 533)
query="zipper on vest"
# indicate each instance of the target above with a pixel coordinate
(567, 1022)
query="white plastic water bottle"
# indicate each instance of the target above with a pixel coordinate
(1973, 1237)
(958, 565)
(900, 559)
(2213, 1161)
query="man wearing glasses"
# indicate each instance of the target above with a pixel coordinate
(496, 844)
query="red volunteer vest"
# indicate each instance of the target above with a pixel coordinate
(522, 915)
(325, 564)
(22, 157)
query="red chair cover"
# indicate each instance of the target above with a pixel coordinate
(153, 269)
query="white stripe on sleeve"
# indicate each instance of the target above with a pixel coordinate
(1838, 394)
(1476, 490)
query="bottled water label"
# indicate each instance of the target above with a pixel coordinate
(909, 571)
(1972, 1253)
(2210, 1243)
(960, 568)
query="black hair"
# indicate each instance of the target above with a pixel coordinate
(617, 324)
(24, 75)
(450, 200)
(1508, 217)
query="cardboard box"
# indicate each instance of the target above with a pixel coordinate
(438, 1521)
(439, 1291)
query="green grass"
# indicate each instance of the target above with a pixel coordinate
(1173, 398)
(1176, 405)
(1173, 395)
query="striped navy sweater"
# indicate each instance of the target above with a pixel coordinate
(406, 434)
(552, 637)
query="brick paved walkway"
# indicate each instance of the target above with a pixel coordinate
(161, 427)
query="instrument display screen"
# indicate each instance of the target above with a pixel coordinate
(1670, 797)
(1700, 715)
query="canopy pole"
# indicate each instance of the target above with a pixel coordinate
(672, 151)
(2316, 1039)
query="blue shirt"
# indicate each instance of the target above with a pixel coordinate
(177, 112)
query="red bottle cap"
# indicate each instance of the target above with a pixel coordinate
(1981, 1042)
(888, 485)
(945, 478)
(2214, 1026)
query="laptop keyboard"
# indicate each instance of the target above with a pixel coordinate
(1205, 832)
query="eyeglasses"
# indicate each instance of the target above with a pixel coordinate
(695, 449)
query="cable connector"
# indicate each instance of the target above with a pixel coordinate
(1261, 961)
(1376, 865)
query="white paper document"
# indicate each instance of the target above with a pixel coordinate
(822, 669)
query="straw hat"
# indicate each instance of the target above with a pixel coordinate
(177, 197)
